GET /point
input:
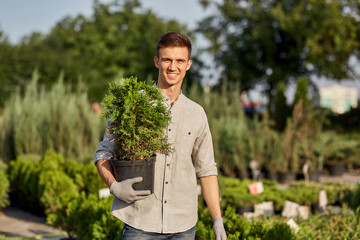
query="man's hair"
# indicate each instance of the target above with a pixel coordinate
(173, 39)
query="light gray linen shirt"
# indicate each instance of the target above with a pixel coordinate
(173, 205)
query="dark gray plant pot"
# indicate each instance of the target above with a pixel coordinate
(335, 168)
(243, 209)
(315, 175)
(125, 169)
(274, 176)
(287, 177)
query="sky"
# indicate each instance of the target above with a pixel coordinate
(22, 17)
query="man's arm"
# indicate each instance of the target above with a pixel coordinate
(105, 171)
(210, 190)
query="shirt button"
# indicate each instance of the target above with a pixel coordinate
(169, 129)
(168, 164)
(165, 201)
(166, 182)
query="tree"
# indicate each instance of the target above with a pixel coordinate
(6, 62)
(268, 41)
(280, 113)
(301, 92)
(119, 39)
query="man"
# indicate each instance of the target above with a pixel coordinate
(171, 211)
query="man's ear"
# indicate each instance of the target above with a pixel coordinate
(189, 63)
(156, 61)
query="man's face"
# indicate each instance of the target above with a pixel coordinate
(172, 62)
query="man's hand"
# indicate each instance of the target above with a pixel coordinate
(123, 190)
(219, 229)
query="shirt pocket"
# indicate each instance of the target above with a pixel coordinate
(187, 143)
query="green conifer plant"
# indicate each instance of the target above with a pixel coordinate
(139, 117)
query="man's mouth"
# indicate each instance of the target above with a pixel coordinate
(172, 74)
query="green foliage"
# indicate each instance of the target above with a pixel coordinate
(280, 104)
(85, 217)
(235, 192)
(40, 183)
(337, 193)
(52, 183)
(301, 92)
(337, 226)
(280, 230)
(271, 41)
(233, 147)
(116, 39)
(299, 135)
(237, 227)
(355, 198)
(139, 118)
(57, 119)
(236, 139)
(4, 189)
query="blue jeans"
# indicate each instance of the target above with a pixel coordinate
(130, 233)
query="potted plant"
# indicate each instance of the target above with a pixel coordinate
(245, 202)
(139, 117)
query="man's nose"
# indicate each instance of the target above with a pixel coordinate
(172, 65)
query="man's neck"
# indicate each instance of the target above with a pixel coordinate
(172, 92)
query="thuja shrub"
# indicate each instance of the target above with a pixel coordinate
(139, 118)
(36, 185)
(58, 118)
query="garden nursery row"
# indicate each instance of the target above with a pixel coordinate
(63, 184)
(309, 137)
(66, 192)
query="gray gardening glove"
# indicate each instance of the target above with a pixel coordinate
(123, 190)
(219, 229)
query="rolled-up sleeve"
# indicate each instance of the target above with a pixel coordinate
(106, 146)
(203, 152)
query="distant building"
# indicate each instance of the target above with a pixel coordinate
(338, 98)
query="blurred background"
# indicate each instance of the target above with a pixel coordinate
(279, 81)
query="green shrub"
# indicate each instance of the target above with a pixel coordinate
(355, 198)
(85, 217)
(140, 117)
(52, 184)
(337, 193)
(56, 119)
(335, 226)
(237, 227)
(280, 230)
(4, 189)
(24, 179)
(40, 183)
(235, 192)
